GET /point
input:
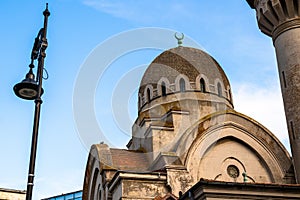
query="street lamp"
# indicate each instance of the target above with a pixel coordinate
(31, 89)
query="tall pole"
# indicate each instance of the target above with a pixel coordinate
(281, 21)
(38, 101)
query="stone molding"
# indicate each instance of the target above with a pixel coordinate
(290, 24)
(275, 17)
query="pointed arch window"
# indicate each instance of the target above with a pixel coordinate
(219, 89)
(94, 181)
(182, 85)
(202, 85)
(163, 89)
(148, 95)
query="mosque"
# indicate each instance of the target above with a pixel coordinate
(188, 142)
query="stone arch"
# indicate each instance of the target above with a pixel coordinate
(94, 188)
(186, 80)
(182, 85)
(219, 87)
(99, 192)
(148, 93)
(159, 86)
(93, 180)
(251, 136)
(240, 156)
(198, 78)
(269, 171)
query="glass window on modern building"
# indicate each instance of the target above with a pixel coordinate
(68, 196)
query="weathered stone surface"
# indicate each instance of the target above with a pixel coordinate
(182, 62)
(12, 194)
(281, 21)
(219, 190)
(184, 136)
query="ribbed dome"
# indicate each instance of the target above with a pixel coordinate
(183, 62)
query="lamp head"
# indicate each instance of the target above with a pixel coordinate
(28, 88)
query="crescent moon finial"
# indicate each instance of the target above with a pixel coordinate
(179, 39)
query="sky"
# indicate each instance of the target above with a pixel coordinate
(98, 49)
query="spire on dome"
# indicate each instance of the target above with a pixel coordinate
(179, 39)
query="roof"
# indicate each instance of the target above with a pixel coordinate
(12, 190)
(75, 194)
(119, 159)
(183, 60)
(129, 160)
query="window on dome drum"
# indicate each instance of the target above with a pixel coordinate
(148, 95)
(202, 85)
(182, 85)
(219, 89)
(163, 89)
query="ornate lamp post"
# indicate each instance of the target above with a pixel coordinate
(31, 89)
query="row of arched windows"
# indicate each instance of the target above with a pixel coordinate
(181, 87)
(164, 90)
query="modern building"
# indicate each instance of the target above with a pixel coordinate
(77, 195)
(188, 142)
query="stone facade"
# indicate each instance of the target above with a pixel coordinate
(187, 130)
(9, 194)
(214, 190)
(185, 63)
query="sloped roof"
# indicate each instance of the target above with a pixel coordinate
(129, 160)
(118, 159)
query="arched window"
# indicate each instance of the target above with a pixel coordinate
(202, 85)
(99, 192)
(219, 89)
(163, 89)
(182, 85)
(148, 95)
(94, 181)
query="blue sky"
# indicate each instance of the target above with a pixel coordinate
(76, 29)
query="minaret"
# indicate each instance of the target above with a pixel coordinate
(280, 19)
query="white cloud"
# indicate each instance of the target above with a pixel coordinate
(263, 105)
(141, 11)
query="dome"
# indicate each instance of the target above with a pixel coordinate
(183, 68)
